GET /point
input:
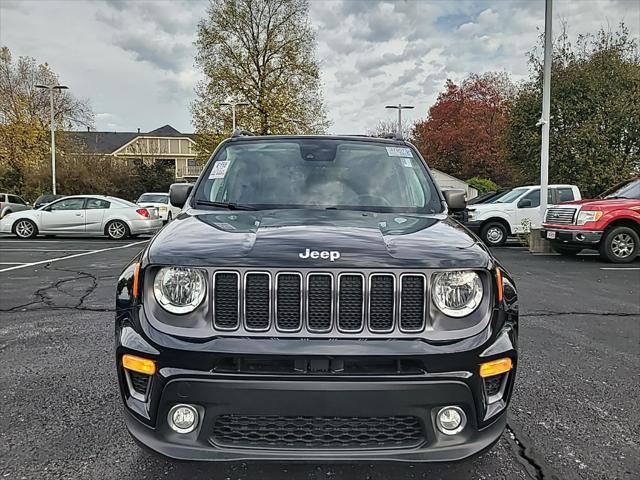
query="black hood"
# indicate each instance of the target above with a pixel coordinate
(275, 238)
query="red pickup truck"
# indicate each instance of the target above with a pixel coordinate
(609, 224)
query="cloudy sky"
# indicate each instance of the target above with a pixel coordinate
(134, 59)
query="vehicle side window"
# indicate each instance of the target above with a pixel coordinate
(97, 204)
(15, 199)
(533, 196)
(564, 195)
(68, 204)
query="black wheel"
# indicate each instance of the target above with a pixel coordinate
(494, 234)
(620, 245)
(117, 230)
(566, 251)
(25, 229)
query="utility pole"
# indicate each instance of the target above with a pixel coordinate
(546, 106)
(51, 88)
(537, 244)
(400, 107)
(233, 106)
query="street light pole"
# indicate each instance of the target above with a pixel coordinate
(51, 88)
(400, 107)
(233, 106)
(546, 107)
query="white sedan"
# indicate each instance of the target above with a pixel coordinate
(86, 215)
(160, 201)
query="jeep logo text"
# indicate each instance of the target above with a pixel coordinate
(332, 255)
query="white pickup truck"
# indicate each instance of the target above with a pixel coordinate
(515, 212)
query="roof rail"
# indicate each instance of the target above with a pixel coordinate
(238, 132)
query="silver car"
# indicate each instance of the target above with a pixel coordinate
(12, 203)
(85, 215)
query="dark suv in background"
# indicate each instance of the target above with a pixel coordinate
(313, 301)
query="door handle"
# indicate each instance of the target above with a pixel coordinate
(78, 214)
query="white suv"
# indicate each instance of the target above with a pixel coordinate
(515, 212)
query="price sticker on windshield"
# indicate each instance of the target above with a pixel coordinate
(399, 152)
(219, 169)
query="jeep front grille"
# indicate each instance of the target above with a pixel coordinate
(319, 303)
(560, 216)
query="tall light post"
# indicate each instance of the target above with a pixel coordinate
(546, 106)
(400, 107)
(233, 106)
(538, 244)
(51, 88)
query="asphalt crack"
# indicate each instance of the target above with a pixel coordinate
(46, 296)
(535, 467)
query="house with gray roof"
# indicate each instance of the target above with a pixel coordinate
(164, 144)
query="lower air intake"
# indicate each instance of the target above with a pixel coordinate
(332, 433)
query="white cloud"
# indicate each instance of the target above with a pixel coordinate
(134, 59)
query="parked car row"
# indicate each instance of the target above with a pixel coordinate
(609, 224)
(514, 211)
(86, 215)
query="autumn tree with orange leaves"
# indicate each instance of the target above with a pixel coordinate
(464, 132)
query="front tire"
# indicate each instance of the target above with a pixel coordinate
(494, 234)
(566, 251)
(620, 245)
(117, 230)
(25, 229)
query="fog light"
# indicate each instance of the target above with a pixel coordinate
(451, 420)
(183, 418)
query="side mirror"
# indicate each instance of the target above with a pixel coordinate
(456, 200)
(525, 203)
(179, 193)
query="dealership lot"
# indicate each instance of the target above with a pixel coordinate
(574, 414)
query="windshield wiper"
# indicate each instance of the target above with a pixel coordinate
(228, 206)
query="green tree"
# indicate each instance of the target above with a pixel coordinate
(261, 52)
(483, 185)
(595, 113)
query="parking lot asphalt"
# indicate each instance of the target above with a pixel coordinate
(574, 414)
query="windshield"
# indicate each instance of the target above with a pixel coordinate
(319, 173)
(629, 189)
(512, 195)
(153, 198)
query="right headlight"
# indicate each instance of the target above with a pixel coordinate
(179, 290)
(456, 294)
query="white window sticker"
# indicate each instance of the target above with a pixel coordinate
(219, 169)
(406, 162)
(399, 152)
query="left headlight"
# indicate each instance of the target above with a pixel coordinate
(179, 290)
(457, 294)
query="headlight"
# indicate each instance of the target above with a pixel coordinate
(471, 213)
(588, 216)
(457, 294)
(179, 289)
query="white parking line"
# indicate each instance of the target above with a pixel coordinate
(11, 263)
(46, 250)
(90, 252)
(619, 268)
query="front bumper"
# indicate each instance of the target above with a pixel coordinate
(217, 398)
(449, 378)
(570, 236)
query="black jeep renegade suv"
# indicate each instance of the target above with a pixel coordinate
(313, 301)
